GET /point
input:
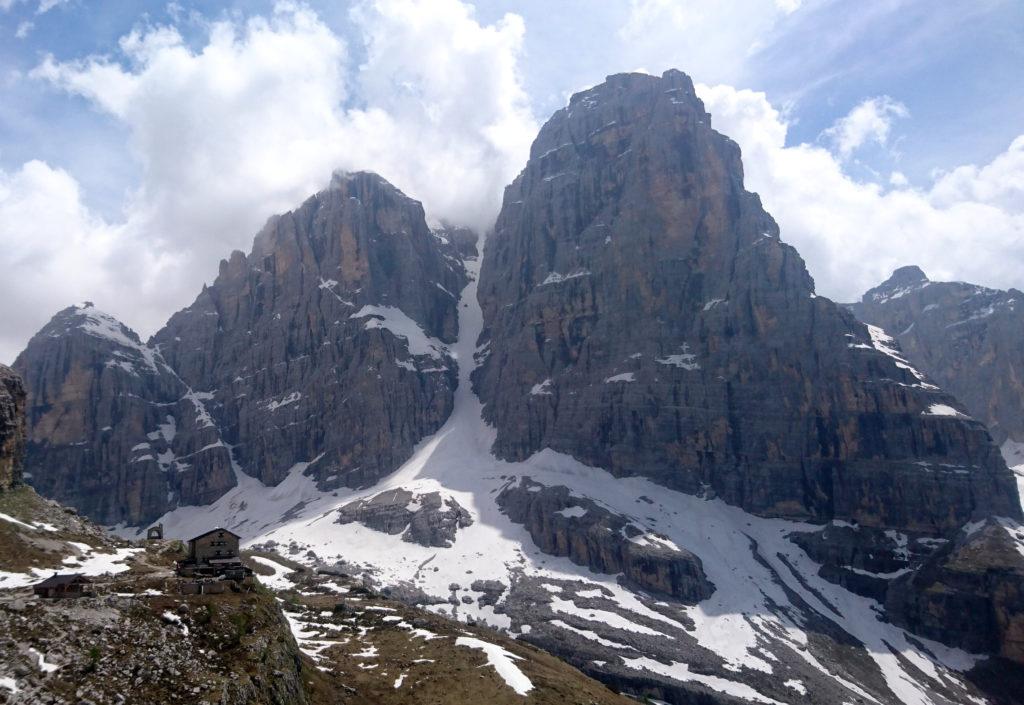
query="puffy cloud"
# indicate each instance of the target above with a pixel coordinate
(449, 94)
(870, 121)
(47, 5)
(254, 120)
(999, 183)
(53, 250)
(969, 225)
(712, 41)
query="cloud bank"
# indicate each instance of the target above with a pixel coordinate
(248, 125)
(968, 225)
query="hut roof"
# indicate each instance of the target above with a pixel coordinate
(212, 531)
(58, 579)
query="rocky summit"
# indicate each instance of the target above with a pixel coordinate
(642, 315)
(324, 351)
(968, 338)
(112, 430)
(631, 436)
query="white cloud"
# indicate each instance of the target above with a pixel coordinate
(47, 5)
(870, 121)
(456, 122)
(969, 225)
(255, 120)
(788, 6)
(53, 251)
(711, 41)
(23, 29)
(42, 8)
(898, 179)
(999, 183)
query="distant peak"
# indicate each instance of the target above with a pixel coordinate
(902, 282)
(910, 274)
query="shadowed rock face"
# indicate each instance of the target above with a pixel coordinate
(112, 430)
(592, 536)
(642, 315)
(12, 427)
(970, 593)
(968, 338)
(298, 344)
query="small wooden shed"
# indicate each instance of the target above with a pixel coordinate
(63, 585)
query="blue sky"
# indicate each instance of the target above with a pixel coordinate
(895, 117)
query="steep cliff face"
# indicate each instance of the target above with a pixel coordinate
(112, 430)
(642, 315)
(970, 593)
(324, 350)
(12, 427)
(968, 338)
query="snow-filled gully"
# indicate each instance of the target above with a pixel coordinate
(759, 624)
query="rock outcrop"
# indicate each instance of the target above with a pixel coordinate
(864, 560)
(427, 519)
(970, 593)
(12, 427)
(968, 338)
(324, 349)
(591, 536)
(642, 315)
(112, 430)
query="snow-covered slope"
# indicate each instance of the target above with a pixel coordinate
(772, 631)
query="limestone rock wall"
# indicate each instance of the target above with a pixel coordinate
(12, 427)
(112, 430)
(968, 338)
(324, 350)
(642, 315)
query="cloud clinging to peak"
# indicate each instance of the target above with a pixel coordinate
(254, 120)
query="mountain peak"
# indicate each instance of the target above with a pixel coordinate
(910, 274)
(902, 282)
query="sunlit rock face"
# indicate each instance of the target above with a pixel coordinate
(642, 315)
